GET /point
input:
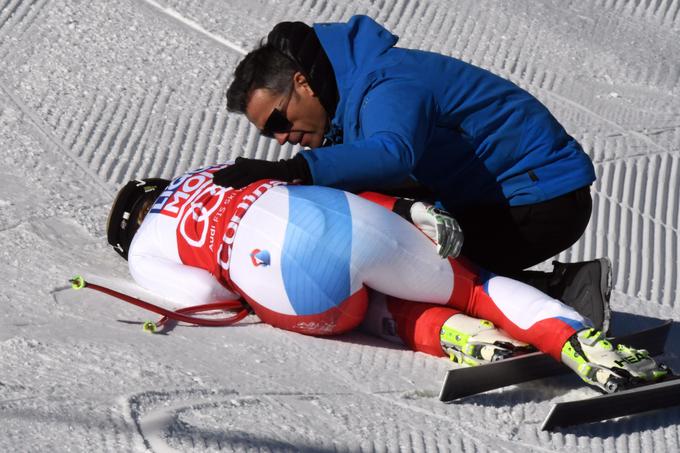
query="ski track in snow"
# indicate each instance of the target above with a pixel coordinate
(93, 94)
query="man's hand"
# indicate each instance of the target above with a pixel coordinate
(439, 226)
(244, 171)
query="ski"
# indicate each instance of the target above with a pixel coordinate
(462, 382)
(640, 399)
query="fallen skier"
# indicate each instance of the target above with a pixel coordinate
(305, 257)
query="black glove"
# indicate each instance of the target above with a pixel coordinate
(244, 171)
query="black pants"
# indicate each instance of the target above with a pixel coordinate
(506, 239)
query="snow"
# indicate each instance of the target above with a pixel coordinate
(95, 93)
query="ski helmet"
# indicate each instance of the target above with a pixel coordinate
(124, 217)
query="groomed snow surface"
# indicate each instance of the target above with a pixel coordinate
(93, 93)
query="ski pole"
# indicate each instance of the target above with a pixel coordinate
(182, 314)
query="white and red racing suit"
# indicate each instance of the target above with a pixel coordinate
(304, 256)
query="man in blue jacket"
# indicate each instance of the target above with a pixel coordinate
(375, 116)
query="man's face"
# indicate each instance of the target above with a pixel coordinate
(300, 107)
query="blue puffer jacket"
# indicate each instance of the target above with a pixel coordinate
(469, 135)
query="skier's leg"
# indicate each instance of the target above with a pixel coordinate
(524, 312)
(434, 329)
(437, 330)
(530, 315)
(394, 258)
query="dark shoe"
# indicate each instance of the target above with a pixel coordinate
(586, 287)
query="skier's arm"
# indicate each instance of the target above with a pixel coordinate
(182, 285)
(436, 224)
(397, 118)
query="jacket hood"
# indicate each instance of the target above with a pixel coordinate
(351, 46)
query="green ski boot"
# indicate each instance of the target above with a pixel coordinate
(606, 367)
(471, 341)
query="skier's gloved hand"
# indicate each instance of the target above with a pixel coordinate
(245, 171)
(439, 226)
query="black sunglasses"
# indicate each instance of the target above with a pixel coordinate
(276, 123)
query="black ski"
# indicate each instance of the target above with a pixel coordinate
(462, 382)
(626, 402)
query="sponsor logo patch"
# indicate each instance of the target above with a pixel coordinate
(260, 257)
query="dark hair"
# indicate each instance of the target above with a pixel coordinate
(264, 67)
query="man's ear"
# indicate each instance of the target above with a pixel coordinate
(302, 85)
